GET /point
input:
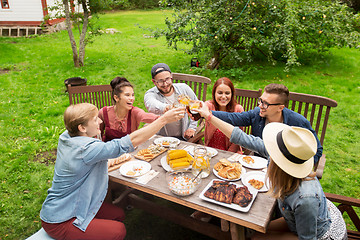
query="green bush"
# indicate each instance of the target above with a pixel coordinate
(133, 4)
(235, 31)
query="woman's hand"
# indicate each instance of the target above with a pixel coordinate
(203, 110)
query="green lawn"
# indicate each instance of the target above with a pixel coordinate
(32, 101)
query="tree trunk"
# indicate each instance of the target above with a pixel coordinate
(71, 35)
(215, 61)
(82, 42)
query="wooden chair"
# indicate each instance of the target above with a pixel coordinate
(197, 83)
(99, 95)
(346, 205)
(246, 98)
(317, 110)
(249, 100)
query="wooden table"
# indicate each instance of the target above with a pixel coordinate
(232, 221)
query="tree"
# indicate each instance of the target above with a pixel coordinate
(239, 30)
(81, 20)
(77, 58)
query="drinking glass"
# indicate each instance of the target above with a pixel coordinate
(194, 104)
(201, 162)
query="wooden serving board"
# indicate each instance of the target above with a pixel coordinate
(117, 166)
(141, 157)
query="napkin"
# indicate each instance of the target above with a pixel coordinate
(235, 157)
(189, 149)
(147, 177)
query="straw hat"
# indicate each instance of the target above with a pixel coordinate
(291, 148)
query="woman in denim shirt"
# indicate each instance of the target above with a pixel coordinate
(307, 214)
(301, 199)
(74, 207)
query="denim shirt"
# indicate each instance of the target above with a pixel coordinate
(305, 210)
(250, 142)
(257, 123)
(155, 102)
(80, 178)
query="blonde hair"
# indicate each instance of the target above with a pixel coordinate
(281, 183)
(78, 114)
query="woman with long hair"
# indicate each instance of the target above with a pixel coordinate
(122, 118)
(306, 213)
(222, 100)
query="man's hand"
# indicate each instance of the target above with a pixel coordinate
(189, 133)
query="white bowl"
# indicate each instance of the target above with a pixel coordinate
(180, 182)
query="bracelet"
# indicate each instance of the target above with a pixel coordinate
(208, 118)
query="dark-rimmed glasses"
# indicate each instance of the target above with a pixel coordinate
(265, 104)
(163, 81)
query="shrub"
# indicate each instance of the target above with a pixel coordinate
(237, 31)
(133, 4)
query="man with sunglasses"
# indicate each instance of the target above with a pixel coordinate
(271, 109)
(164, 96)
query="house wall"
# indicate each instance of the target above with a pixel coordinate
(30, 12)
(22, 11)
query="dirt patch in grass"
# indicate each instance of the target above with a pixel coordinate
(4, 70)
(47, 157)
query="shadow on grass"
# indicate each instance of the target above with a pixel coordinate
(142, 225)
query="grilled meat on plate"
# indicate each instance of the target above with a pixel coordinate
(242, 197)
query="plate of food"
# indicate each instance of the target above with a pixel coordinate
(253, 162)
(227, 194)
(149, 153)
(228, 171)
(212, 152)
(166, 141)
(255, 180)
(176, 159)
(135, 168)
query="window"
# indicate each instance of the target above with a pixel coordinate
(5, 4)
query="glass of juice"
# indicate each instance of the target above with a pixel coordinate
(194, 105)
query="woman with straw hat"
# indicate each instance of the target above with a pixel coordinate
(301, 199)
(306, 213)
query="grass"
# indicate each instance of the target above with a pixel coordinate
(32, 101)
